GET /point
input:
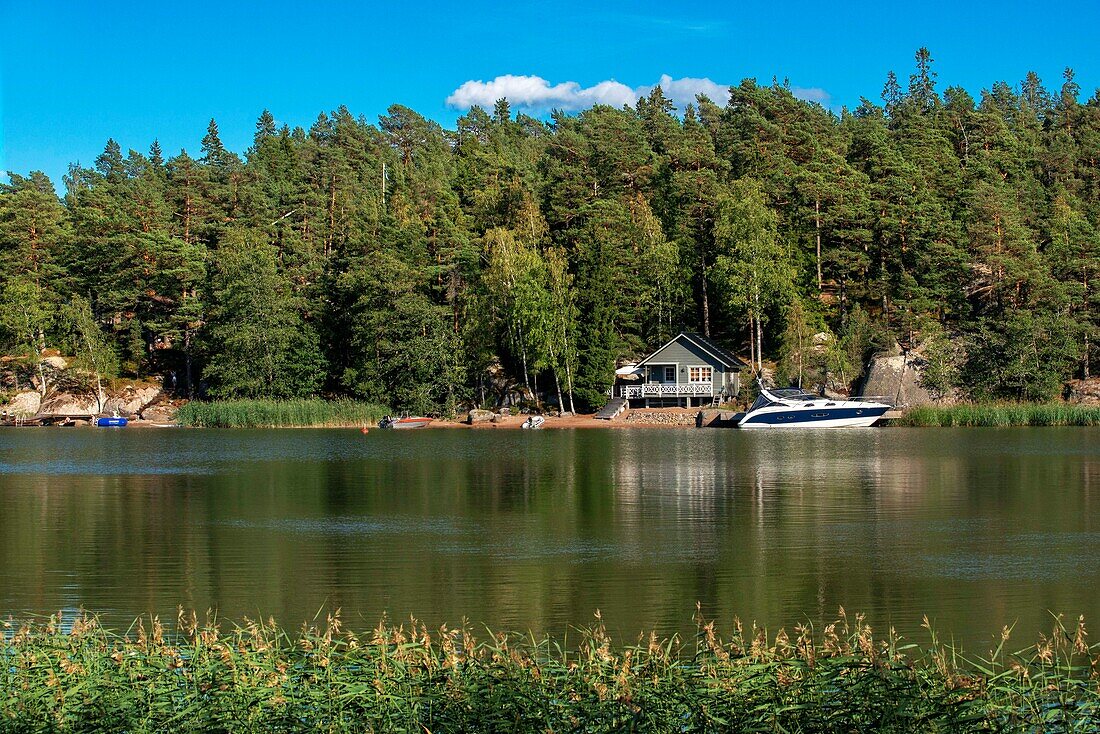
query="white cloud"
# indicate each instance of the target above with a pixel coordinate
(812, 94)
(534, 92)
(537, 94)
(682, 92)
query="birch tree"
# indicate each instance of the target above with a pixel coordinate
(754, 269)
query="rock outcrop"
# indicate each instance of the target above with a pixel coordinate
(73, 404)
(131, 400)
(479, 416)
(72, 392)
(24, 404)
(898, 379)
(160, 413)
(1084, 392)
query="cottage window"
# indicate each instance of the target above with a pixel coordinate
(699, 374)
(670, 373)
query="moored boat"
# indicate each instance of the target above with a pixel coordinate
(794, 408)
(408, 421)
(534, 422)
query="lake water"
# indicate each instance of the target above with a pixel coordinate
(536, 530)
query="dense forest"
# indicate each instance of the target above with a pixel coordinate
(403, 263)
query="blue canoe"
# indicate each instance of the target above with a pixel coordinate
(105, 422)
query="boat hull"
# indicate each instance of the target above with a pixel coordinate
(405, 423)
(861, 417)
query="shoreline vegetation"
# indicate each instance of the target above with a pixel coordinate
(1001, 415)
(343, 413)
(73, 674)
(304, 413)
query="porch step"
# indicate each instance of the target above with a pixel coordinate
(611, 409)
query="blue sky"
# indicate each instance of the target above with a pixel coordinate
(74, 74)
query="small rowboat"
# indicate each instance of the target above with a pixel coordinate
(113, 421)
(533, 422)
(417, 421)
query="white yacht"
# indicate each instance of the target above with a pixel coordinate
(791, 407)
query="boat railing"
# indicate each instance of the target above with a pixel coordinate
(884, 399)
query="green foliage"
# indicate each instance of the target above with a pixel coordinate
(399, 262)
(95, 354)
(257, 677)
(754, 269)
(801, 360)
(1023, 355)
(260, 346)
(940, 374)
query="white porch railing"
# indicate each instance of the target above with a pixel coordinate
(659, 390)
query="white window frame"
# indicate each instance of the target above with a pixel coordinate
(709, 378)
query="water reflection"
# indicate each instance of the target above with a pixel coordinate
(976, 528)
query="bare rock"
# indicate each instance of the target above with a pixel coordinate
(56, 361)
(69, 404)
(1085, 392)
(24, 404)
(133, 399)
(897, 378)
(479, 416)
(163, 413)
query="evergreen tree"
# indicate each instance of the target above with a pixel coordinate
(400, 262)
(258, 344)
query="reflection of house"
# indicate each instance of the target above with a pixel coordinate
(690, 370)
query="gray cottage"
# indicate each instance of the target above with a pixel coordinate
(689, 371)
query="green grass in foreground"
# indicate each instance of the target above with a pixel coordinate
(258, 677)
(279, 413)
(1003, 414)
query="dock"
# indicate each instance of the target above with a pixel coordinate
(46, 419)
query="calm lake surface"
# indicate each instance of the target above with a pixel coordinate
(536, 530)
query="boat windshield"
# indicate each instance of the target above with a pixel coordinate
(760, 402)
(793, 393)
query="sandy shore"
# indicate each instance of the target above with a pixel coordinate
(641, 418)
(629, 419)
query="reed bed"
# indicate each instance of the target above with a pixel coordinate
(1002, 415)
(279, 413)
(73, 675)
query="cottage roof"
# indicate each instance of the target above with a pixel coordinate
(724, 356)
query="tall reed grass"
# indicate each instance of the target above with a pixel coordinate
(279, 413)
(1002, 414)
(257, 677)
